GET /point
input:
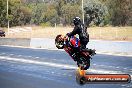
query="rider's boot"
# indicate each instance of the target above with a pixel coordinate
(81, 72)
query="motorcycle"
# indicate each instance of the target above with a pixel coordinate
(72, 46)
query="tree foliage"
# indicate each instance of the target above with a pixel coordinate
(3, 13)
(51, 12)
(119, 12)
(95, 12)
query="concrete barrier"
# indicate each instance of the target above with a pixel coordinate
(42, 43)
(15, 41)
(111, 46)
(99, 45)
(46, 43)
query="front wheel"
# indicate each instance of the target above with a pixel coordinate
(59, 42)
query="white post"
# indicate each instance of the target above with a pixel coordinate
(55, 25)
(7, 17)
(82, 12)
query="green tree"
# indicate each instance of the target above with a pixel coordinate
(69, 12)
(3, 13)
(50, 16)
(18, 13)
(95, 12)
(119, 12)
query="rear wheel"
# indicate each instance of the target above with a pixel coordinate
(83, 63)
(81, 80)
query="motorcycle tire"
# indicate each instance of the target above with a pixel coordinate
(83, 64)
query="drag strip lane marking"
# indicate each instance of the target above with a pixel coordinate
(37, 62)
(56, 65)
(36, 57)
(29, 56)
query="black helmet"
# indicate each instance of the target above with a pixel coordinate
(76, 20)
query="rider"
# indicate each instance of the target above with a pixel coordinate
(81, 31)
(83, 35)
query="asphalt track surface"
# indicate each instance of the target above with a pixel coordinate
(41, 68)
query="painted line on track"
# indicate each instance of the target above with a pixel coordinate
(57, 65)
